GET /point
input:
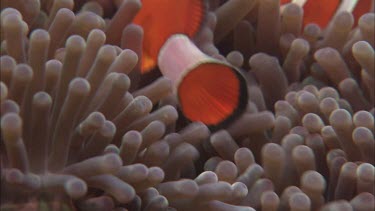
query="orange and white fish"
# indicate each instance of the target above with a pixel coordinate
(208, 90)
(321, 12)
(162, 18)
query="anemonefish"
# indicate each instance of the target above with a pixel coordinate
(162, 18)
(321, 12)
(208, 90)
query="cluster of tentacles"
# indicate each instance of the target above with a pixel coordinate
(82, 129)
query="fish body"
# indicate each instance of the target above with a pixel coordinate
(321, 12)
(162, 18)
(208, 90)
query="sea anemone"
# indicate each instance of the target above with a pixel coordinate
(83, 129)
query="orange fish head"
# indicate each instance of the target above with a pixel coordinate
(208, 90)
(212, 93)
(162, 18)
